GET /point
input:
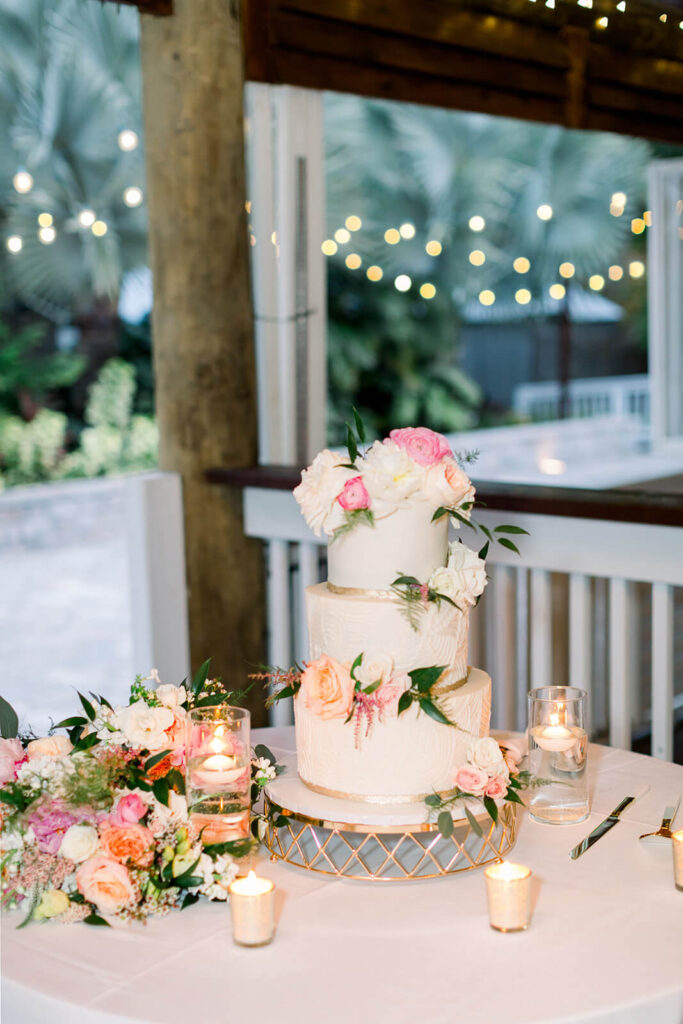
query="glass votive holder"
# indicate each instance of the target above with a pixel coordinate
(677, 850)
(558, 747)
(252, 909)
(508, 892)
(218, 771)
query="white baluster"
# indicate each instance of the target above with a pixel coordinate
(620, 664)
(662, 671)
(541, 628)
(580, 631)
(522, 645)
(279, 636)
(502, 605)
(308, 576)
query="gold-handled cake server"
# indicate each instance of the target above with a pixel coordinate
(664, 830)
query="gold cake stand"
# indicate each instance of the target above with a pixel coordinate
(381, 852)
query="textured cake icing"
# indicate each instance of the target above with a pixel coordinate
(386, 708)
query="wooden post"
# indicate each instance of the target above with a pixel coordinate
(202, 319)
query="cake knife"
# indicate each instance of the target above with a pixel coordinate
(609, 822)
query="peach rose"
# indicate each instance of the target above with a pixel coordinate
(130, 843)
(448, 485)
(49, 746)
(497, 787)
(327, 687)
(105, 883)
(469, 779)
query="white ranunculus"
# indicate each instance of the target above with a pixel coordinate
(320, 486)
(374, 666)
(49, 746)
(144, 726)
(390, 475)
(171, 696)
(487, 755)
(471, 570)
(446, 485)
(79, 843)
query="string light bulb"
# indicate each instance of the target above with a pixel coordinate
(407, 230)
(342, 236)
(329, 247)
(567, 269)
(602, 23)
(477, 223)
(14, 244)
(615, 272)
(619, 198)
(433, 247)
(128, 140)
(621, 6)
(427, 290)
(521, 265)
(374, 273)
(402, 283)
(636, 268)
(391, 236)
(523, 296)
(637, 225)
(132, 196)
(596, 282)
(544, 212)
(99, 228)
(557, 291)
(353, 261)
(487, 297)
(353, 223)
(477, 258)
(47, 235)
(45, 220)
(23, 182)
(86, 218)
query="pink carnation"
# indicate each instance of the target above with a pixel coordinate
(354, 494)
(424, 446)
(128, 811)
(469, 779)
(497, 787)
(12, 754)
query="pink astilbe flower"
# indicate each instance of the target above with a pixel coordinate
(49, 822)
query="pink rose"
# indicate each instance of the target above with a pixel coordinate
(423, 445)
(390, 692)
(12, 754)
(354, 494)
(105, 883)
(128, 810)
(327, 688)
(497, 787)
(469, 779)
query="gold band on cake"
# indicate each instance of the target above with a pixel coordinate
(363, 797)
(387, 595)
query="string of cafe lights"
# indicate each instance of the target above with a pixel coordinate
(601, 23)
(477, 257)
(23, 182)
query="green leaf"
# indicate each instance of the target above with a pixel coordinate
(161, 788)
(281, 821)
(474, 824)
(355, 666)
(433, 800)
(404, 702)
(445, 824)
(360, 426)
(505, 543)
(431, 709)
(76, 897)
(152, 761)
(201, 677)
(188, 881)
(261, 750)
(511, 529)
(439, 514)
(286, 691)
(176, 780)
(461, 519)
(95, 919)
(14, 797)
(424, 678)
(403, 581)
(87, 707)
(372, 687)
(9, 720)
(190, 898)
(485, 530)
(351, 445)
(234, 847)
(483, 552)
(513, 796)
(69, 723)
(492, 808)
(91, 740)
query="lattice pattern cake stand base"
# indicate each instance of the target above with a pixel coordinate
(375, 842)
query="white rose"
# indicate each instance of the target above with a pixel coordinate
(320, 486)
(49, 746)
(173, 814)
(471, 570)
(79, 843)
(374, 667)
(447, 485)
(171, 696)
(487, 755)
(447, 582)
(390, 475)
(144, 726)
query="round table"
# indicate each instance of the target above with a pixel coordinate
(604, 943)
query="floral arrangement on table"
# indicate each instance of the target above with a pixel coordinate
(94, 822)
(361, 692)
(413, 465)
(489, 778)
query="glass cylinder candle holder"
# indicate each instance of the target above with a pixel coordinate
(558, 747)
(252, 908)
(677, 849)
(508, 891)
(218, 773)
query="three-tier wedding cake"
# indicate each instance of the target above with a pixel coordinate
(387, 707)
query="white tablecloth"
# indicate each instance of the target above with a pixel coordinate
(605, 944)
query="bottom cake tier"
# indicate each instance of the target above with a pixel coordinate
(403, 759)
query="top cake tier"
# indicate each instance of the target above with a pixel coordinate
(403, 542)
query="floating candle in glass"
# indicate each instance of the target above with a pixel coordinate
(558, 744)
(508, 891)
(218, 769)
(252, 907)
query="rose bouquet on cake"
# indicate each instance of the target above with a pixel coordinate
(94, 821)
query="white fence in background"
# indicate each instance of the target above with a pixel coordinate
(593, 396)
(589, 602)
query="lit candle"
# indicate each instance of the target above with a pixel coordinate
(677, 847)
(554, 737)
(508, 888)
(221, 828)
(252, 905)
(219, 769)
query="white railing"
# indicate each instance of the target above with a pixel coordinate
(595, 396)
(591, 602)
